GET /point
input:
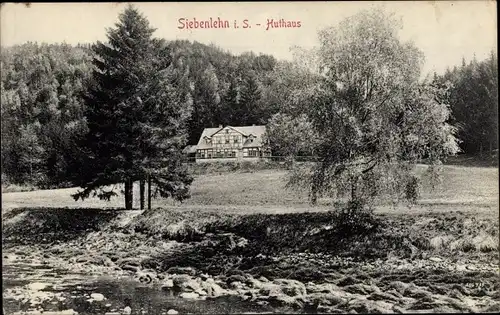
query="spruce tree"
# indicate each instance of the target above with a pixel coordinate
(134, 114)
(250, 101)
(230, 105)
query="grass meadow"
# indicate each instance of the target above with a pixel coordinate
(462, 188)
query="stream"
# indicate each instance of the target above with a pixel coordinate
(40, 289)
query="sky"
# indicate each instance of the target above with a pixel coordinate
(446, 31)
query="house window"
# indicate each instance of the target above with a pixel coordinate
(227, 130)
(253, 152)
(245, 152)
(227, 140)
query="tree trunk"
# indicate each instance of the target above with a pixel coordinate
(314, 193)
(131, 198)
(317, 183)
(314, 198)
(354, 188)
(129, 194)
(149, 193)
(142, 185)
(289, 162)
(127, 188)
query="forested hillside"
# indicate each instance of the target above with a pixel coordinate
(43, 115)
(42, 111)
(473, 97)
(42, 101)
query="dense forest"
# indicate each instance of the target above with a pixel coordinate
(473, 97)
(42, 106)
(43, 113)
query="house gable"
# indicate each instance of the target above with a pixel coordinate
(223, 129)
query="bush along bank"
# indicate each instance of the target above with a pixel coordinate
(320, 261)
(231, 167)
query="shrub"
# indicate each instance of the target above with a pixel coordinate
(356, 218)
(18, 188)
(412, 189)
(228, 167)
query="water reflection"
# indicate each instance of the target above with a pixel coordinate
(73, 292)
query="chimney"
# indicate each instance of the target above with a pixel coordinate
(220, 126)
(253, 125)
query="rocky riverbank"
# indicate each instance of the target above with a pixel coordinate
(451, 272)
(389, 286)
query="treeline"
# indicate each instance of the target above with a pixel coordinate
(42, 103)
(473, 99)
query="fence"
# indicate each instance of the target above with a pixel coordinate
(279, 159)
(299, 159)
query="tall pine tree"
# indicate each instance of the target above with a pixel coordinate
(135, 116)
(250, 101)
(230, 105)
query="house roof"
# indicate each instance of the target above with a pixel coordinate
(256, 131)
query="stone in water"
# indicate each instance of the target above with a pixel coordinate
(37, 286)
